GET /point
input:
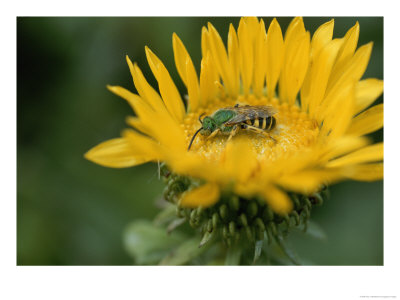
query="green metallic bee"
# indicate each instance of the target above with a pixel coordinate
(230, 120)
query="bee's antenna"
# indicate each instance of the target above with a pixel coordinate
(191, 141)
(201, 121)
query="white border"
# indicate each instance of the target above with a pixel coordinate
(196, 282)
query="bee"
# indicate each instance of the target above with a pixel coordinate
(230, 120)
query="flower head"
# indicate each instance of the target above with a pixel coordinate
(313, 86)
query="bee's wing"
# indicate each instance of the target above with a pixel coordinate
(248, 112)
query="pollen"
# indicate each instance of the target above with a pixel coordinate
(294, 130)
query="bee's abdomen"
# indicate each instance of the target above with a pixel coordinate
(270, 123)
(267, 123)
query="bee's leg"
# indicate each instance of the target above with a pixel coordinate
(215, 132)
(258, 130)
(270, 136)
(234, 130)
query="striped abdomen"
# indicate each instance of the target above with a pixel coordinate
(267, 123)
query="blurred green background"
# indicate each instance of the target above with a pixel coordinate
(73, 212)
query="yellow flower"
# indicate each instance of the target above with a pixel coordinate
(313, 83)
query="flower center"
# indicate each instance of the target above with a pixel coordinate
(294, 130)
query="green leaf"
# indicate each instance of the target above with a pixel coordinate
(184, 253)
(288, 250)
(174, 224)
(147, 243)
(257, 250)
(315, 231)
(275, 255)
(167, 215)
(233, 255)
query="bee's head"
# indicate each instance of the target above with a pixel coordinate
(209, 126)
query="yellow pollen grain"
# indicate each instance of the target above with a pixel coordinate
(294, 130)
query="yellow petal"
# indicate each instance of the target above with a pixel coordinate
(350, 42)
(239, 159)
(168, 90)
(274, 56)
(142, 144)
(367, 172)
(169, 133)
(337, 111)
(294, 36)
(203, 196)
(353, 70)
(321, 37)
(295, 28)
(347, 49)
(191, 164)
(187, 72)
(260, 60)
(308, 181)
(368, 121)
(116, 153)
(252, 23)
(220, 57)
(234, 58)
(141, 108)
(287, 164)
(367, 91)
(205, 42)
(138, 124)
(371, 153)
(180, 56)
(319, 75)
(208, 77)
(192, 86)
(246, 34)
(341, 146)
(294, 67)
(278, 200)
(144, 88)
